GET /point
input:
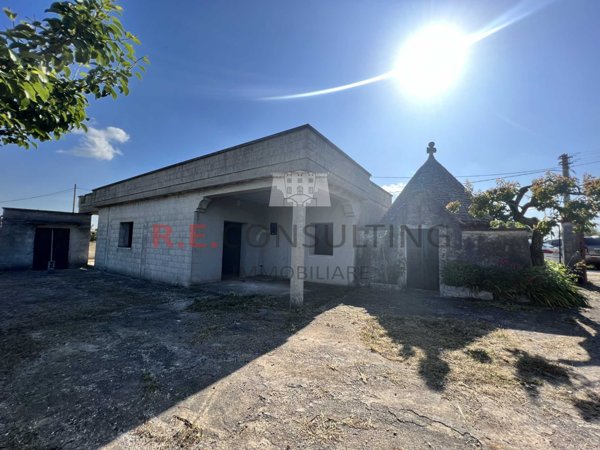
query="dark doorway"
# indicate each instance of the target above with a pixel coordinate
(422, 258)
(51, 244)
(232, 244)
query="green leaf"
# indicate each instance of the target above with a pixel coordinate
(130, 50)
(38, 60)
(42, 92)
(10, 14)
(29, 91)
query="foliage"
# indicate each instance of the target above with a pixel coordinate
(550, 285)
(49, 67)
(453, 207)
(582, 207)
(509, 204)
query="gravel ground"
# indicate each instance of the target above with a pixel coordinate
(91, 359)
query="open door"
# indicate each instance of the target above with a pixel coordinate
(232, 244)
(422, 258)
(51, 244)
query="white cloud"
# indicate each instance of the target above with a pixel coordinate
(99, 143)
(394, 189)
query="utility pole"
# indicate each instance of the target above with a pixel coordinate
(74, 196)
(572, 248)
(565, 162)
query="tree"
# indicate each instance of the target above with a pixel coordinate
(50, 68)
(509, 204)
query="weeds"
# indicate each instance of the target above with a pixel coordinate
(149, 382)
(551, 285)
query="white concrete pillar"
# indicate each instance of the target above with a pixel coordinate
(297, 257)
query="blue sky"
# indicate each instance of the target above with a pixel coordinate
(529, 92)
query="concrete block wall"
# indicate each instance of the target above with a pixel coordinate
(261, 253)
(17, 235)
(171, 265)
(302, 148)
(16, 246)
(340, 267)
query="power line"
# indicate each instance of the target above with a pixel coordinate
(519, 173)
(36, 196)
(39, 196)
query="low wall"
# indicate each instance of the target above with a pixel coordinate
(381, 255)
(490, 248)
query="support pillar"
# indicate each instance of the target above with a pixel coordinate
(297, 257)
(571, 251)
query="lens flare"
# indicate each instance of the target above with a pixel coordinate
(432, 60)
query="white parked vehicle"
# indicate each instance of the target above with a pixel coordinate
(551, 249)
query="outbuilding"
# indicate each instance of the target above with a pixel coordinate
(40, 240)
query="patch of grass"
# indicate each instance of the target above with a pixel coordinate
(479, 355)
(235, 303)
(324, 429)
(189, 435)
(149, 382)
(358, 423)
(186, 434)
(534, 371)
(17, 346)
(207, 332)
(447, 352)
(589, 407)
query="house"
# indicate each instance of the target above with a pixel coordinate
(420, 234)
(41, 240)
(237, 212)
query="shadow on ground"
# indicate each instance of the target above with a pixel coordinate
(88, 356)
(420, 329)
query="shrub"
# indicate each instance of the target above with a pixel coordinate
(551, 285)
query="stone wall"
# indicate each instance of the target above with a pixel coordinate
(488, 248)
(493, 248)
(382, 256)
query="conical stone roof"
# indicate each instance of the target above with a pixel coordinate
(424, 198)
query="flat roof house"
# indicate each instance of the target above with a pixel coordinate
(221, 215)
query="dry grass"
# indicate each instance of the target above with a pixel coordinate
(322, 428)
(182, 434)
(451, 354)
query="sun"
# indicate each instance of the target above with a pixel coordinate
(432, 60)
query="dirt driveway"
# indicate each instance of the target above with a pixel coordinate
(91, 359)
